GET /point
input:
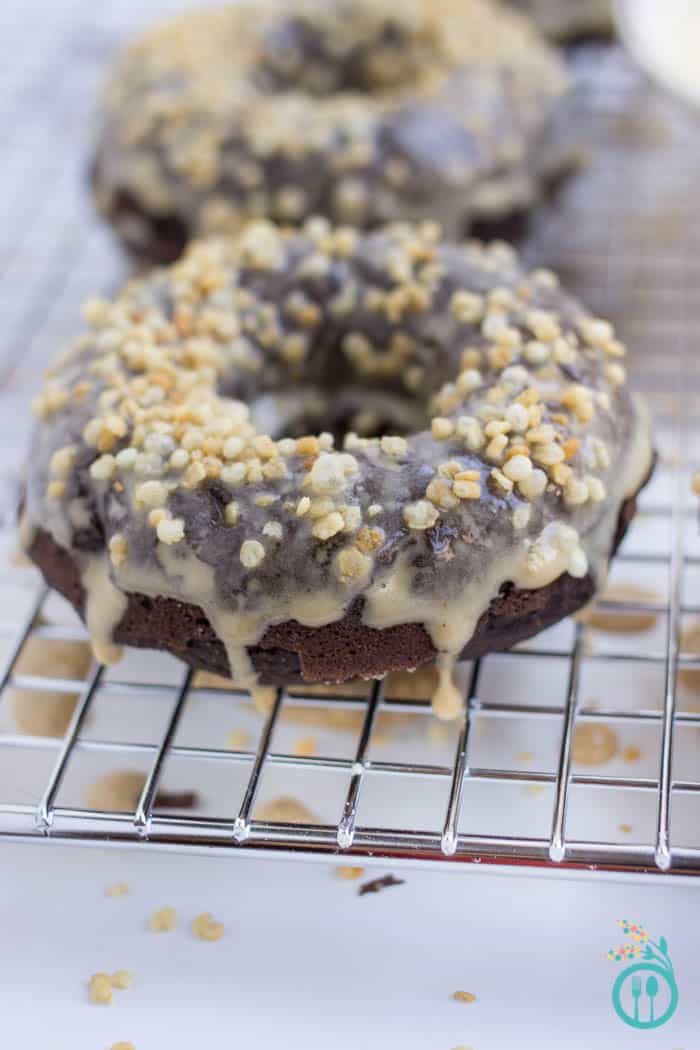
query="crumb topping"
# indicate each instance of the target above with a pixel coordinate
(160, 426)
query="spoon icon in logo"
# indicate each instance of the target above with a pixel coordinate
(652, 992)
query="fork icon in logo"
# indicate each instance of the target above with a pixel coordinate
(636, 995)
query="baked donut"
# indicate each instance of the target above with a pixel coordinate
(566, 20)
(178, 497)
(365, 111)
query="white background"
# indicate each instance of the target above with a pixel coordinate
(307, 964)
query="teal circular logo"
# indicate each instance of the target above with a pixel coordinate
(645, 995)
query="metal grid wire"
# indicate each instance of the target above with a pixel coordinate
(379, 776)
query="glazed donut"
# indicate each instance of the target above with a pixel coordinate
(365, 111)
(491, 455)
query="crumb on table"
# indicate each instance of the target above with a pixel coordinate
(100, 989)
(117, 889)
(205, 928)
(121, 979)
(348, 872)
(464, 997)
(163, 920)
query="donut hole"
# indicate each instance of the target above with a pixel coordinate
(358, 374)
(359, 410)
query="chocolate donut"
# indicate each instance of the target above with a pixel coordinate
(365, 111)
(475, 458)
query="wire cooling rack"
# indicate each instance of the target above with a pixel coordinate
(579, 748)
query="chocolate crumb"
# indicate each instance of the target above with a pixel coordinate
(376, 885)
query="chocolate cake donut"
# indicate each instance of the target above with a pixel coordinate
(365, 111)
(323, 454)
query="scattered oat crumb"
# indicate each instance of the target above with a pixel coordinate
(535, 789)
(100, 988)
(526, 756)
(631, 754)
(204, 928)
(626, 829)
(347, 872)
(122, 1046)
(376, 885)
(163, 920)
(594, 744)
(121, 979)
(285, 810)
(306, 746)
(117, 889)
(464, 997)
(238, 740)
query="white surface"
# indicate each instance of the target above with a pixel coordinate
(306, 964)
(665, 38)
